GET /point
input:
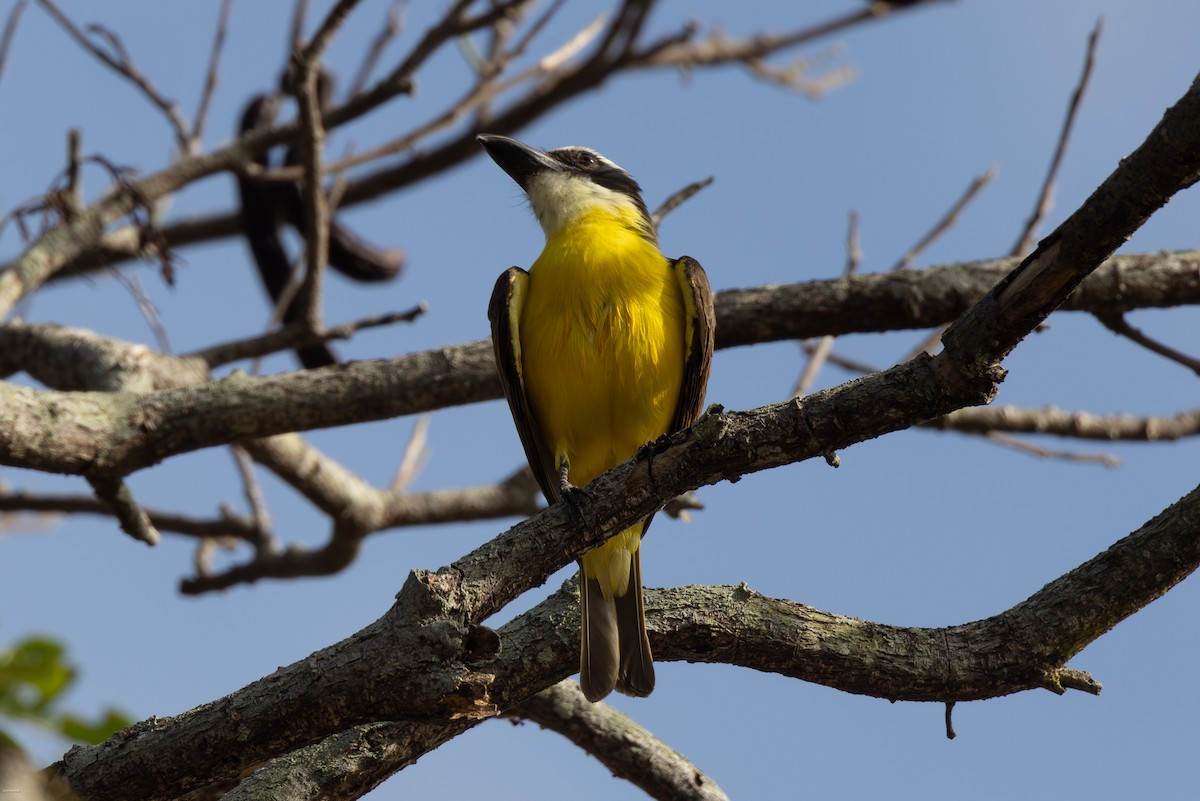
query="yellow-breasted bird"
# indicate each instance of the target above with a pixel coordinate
(603, 346)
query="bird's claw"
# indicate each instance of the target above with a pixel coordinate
(575, 497)
(655, 446)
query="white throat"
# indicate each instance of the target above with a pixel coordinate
(559, 198)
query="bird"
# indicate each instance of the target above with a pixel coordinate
(603, 346)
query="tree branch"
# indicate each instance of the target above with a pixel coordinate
(124, 66)
(1046, 197)
(10, 30)
(618, 51)
(1077, 425)
(424, 662)
(1117, 323)
(134, 432)
(623, 746)
(228, 525)
(947, 220)
(211, 76)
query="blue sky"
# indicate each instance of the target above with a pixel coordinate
(917, 528)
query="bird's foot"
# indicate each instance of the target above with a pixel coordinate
(652, 449)
(572, 495)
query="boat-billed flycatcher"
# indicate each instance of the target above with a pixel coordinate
(603, 346)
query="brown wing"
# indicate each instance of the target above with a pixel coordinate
(504, 313)
(698, 305)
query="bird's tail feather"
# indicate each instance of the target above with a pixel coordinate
(599, 652)
(636, 674)
(614, 651)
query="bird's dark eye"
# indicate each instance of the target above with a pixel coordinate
(588, 161)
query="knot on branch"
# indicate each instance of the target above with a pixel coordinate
(965, 375)
(432, 606)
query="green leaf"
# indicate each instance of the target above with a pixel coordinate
(92, 732)
(34, 674)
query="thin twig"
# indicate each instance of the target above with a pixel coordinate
(115, 496)
(392, 27)
(358, 510)
(620, 743)
(1045, 199)
(502, 58)
(680, 49)
(73, 195)
(281, 307)
(677, 199)
(229, 525)
(991, 422)
(819, 354)
(1118, 325)
(816, 360)
(845, 362)
(296, 31)
(311, 53)
(947, 220)
(537, 27)
(1106, 459)
(10, 29)
(794, 77)
(214, 62)
(931, 342)
(854, 251)
(479, 95)
(253, 492)
(123, 65)
(145, 306)
(670, 51)
(416, 454)
(287, 339)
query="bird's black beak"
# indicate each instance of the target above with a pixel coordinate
(517, 159)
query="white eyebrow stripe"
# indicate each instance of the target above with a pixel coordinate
(599, 157)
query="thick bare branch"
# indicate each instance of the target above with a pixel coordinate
(345, 766)
(425, 662)
(357, 510)
(939, 295)
(134, 432)
(1075, 425)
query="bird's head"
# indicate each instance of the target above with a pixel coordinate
(565, 184)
